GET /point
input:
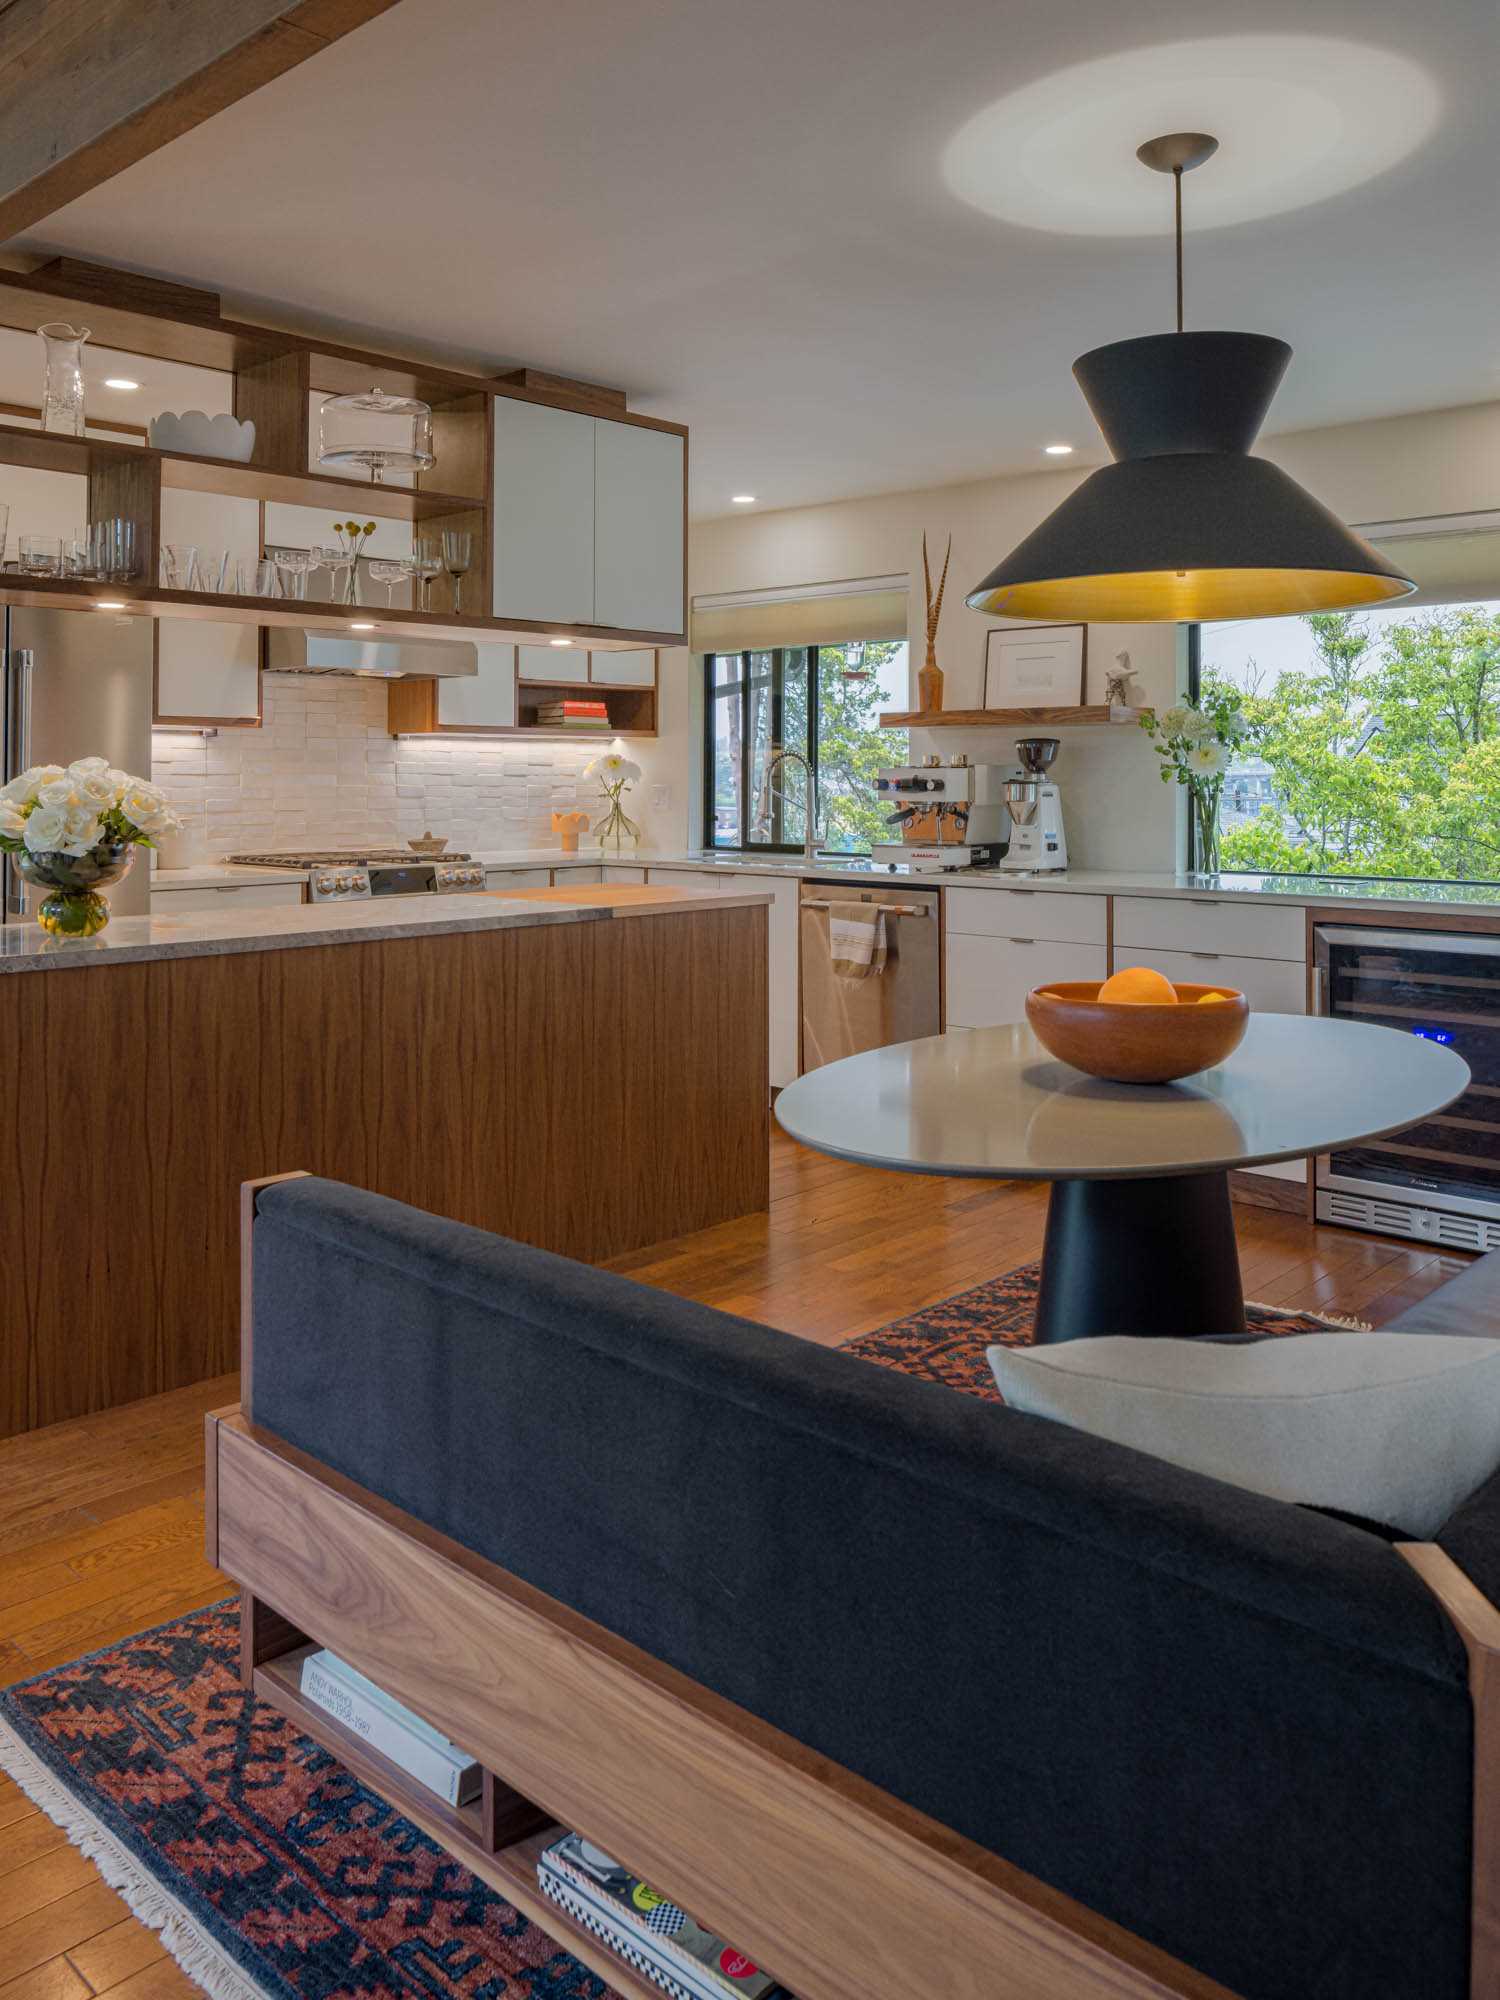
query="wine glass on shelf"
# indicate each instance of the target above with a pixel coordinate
(292, 566)
(338, 562)
(179, 565)
(390, 572)
(458, 556)
(427, 562)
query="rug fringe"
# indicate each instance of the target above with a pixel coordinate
(1338, 1322)
(200, 1957)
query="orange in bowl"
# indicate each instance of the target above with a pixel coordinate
(1140, 1041)
(1139, 986)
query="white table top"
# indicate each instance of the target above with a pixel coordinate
(993, 1102)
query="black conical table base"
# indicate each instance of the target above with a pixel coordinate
(1151, 1256)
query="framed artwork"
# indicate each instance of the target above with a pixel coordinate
(1036, 666)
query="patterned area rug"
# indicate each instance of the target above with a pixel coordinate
(946, 1342)
(271, 1873)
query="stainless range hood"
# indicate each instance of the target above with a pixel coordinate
(292, 649)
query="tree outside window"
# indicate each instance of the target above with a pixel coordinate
(1374, 745)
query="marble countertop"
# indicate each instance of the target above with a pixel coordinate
(1295, 889)
(26, 947)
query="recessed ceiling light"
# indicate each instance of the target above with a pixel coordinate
(120, 382)
(1057, 450)
(361, 625)
(742, 499)
(559, 642)
(110, 604)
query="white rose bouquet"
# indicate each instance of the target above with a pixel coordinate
(1196, 746)
(616, 774)
(73, 829)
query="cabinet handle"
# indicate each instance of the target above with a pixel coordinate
(1205, 954)
(1021, 940)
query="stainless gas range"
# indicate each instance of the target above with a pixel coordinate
(353, 875)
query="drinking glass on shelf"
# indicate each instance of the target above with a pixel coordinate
(179, 565)
(211, 570)
(78, 557)
(292, 565)
(256, 579)
(426, 563)
(458, 556)
(390, 573)
(113, 543)
(4, 528)
(338, 562)
(41, 555)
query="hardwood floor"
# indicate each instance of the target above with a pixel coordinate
(101, 1519)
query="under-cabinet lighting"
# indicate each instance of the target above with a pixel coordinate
(362, 625)
(559, 642)
(109, 604)
(742, 499)
(120, 382)
(1058, 450)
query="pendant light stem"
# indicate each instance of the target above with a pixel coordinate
(1177, 194)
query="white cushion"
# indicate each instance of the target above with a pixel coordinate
(1394, 1427)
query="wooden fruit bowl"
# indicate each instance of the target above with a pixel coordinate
(1136, 1044)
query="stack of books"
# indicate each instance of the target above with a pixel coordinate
(568, 713)
(423, 1752)
(648, 1932)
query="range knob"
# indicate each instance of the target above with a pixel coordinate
(474, 875)
(345, 884)
(324, 885)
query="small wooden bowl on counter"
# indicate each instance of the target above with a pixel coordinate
(1131, 1043)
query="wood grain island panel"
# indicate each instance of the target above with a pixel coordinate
(589, 1087)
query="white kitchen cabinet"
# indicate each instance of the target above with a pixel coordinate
(518, 878)
(486, 700)
(1272, 986)
(1236, 925)
(1032, 913)
(564, 666)
(615, 871)
(543, 514)
(989, 977)
(690, 878)
(207, 673)
(623, 670)
(227, 900)
(638, 527)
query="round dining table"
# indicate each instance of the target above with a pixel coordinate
(1140, 1235)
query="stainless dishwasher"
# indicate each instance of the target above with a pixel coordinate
(904, 1002)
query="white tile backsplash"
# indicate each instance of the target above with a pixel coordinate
(323, 770)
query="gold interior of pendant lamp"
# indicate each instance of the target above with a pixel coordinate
(1150, 596)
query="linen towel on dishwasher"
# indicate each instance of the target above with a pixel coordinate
(856, 939)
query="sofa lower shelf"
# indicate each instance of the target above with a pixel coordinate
(509, 1869)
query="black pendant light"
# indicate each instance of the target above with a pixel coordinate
(1185, 524)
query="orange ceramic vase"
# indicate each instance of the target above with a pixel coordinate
(930, 684)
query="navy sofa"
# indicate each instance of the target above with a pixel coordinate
(1240, 1729)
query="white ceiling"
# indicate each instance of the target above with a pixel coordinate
(737, 213)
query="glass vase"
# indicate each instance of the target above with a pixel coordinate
(73, 907)
(1206, 830)
(62, 386)
(617, 833)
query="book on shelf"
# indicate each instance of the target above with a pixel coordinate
(378, 1719)
(650, 1933)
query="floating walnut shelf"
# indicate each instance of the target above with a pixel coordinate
(1013, 718)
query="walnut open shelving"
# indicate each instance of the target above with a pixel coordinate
(508, 1864)
(1013, 718)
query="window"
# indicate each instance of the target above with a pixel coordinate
(1374, 746)
(822, 702)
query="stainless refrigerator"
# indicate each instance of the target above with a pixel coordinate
(77, 684)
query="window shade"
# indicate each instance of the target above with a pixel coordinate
(816, 615)
(1452, 567)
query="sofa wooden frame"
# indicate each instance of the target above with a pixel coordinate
(837, 1887)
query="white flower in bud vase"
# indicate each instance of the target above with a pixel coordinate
(1172, 721)
(1208, 760)
(46, 829)
(147, 810)
(1198, 727)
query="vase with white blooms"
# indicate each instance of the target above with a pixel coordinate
(615, 831)
(1196, 746)
(73, 830)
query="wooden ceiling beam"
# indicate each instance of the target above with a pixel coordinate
(88, 87)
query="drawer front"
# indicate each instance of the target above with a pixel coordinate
(1272, 985)
(518, 878)
(252, 895)
(615, 871)
(1237, 926)
(689, 878)
(1028, 913)
(574, 878)
(989, 978)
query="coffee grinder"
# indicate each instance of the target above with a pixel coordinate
(1038, 844)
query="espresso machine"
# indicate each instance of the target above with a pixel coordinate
(945, 816)
(1037, 842)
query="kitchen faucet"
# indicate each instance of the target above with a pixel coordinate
(810, 844)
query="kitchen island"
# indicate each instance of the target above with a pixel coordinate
(589, 1076)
